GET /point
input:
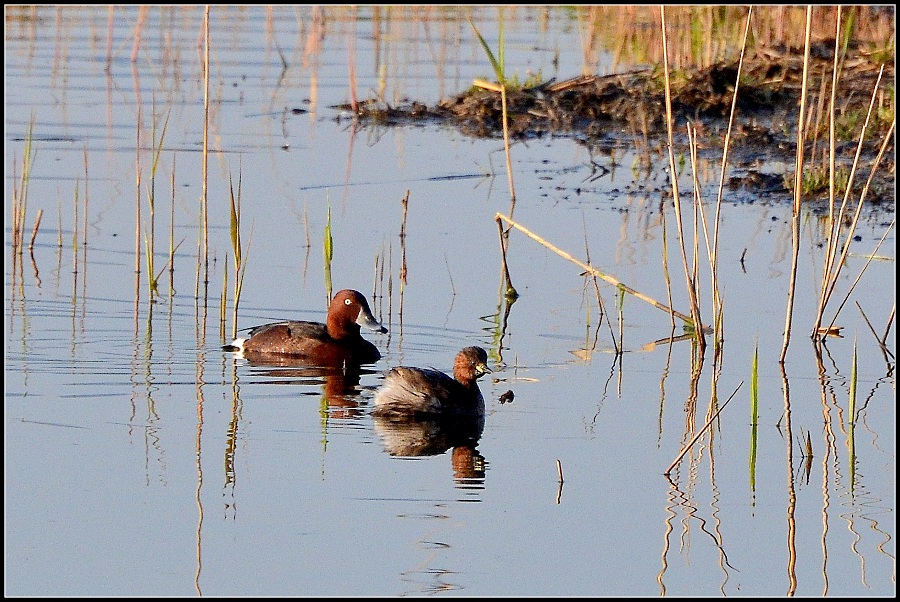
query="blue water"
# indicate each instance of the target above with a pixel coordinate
(142, 460)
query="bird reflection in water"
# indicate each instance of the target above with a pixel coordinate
(340, 384)
(432, 436)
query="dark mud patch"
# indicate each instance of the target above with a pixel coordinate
(603, 112)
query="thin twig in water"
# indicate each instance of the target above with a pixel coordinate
(559, 490)
(701, 431)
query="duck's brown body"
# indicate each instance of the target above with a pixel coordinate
(335, 343)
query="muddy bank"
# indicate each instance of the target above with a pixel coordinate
(601, 111)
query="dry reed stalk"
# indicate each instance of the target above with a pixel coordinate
(717, 303)
(831, 119)
(831, 167)
(204, 211)
(20, 207)
(307, 246)
(861, 271)
(137, 218)
(483, 83)
(59, 228)
(375, 300)
(698, 207)
(882, 340)
(832, 268)
(673, 175)
(798, 181)
(84, 236)
(506, 149)
(16, 214)
(405, 203)
(403, 268)
(620, 304)
(223, 302)
(75, 244)
(390, 272)
(172, 235)
(611, 280)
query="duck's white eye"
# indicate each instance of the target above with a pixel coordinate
(348, 301)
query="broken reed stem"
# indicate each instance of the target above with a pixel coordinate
(483, 83)
(701, 431)
(611, 280)
(798, 191)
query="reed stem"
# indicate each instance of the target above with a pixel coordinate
(610, 279)
(798, 181)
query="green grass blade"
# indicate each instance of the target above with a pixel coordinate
(498, 66)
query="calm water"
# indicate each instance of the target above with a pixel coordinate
(142, 460)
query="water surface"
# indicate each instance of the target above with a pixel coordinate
(143, 460)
